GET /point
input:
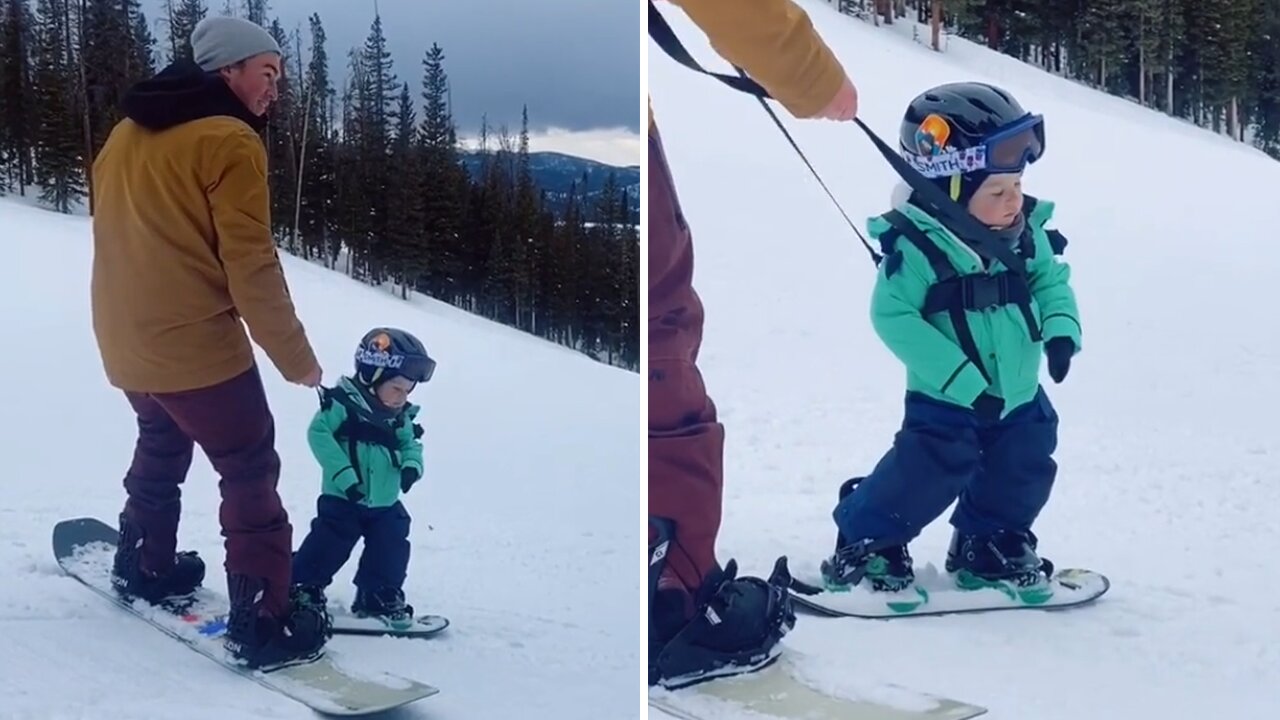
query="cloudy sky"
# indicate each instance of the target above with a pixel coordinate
(576, 63)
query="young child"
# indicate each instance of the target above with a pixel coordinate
(368, 447)
(978, 425)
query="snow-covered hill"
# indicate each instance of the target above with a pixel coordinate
(524, 528)
(1169, 450)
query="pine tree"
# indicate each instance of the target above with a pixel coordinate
(183, 16)
(354, 192)
(378, 97)
(529, 255)
(502, 281)
(444, 183)
(316, 214)
(58, 149)
(112, 59)
(282, 135)
(1105, 32)
(142, 42)
(17, 101)
(1239, 28)
(405, 247)
(1266, 55)
(255, 11)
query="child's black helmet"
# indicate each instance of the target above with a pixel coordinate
(958, 133)
(385, 353)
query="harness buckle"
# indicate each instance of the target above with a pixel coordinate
(979, 292)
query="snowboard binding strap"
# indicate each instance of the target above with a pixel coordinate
(682, 663)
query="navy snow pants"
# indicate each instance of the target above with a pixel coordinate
(1002, 473)
(338, 524)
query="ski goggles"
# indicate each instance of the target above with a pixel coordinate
(418, 368)
(1007, 150)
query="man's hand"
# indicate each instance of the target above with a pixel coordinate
(312, 379)
(844, 106)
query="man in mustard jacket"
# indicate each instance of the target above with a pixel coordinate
(694, 628)
(183, 253)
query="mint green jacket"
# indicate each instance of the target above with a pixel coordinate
(375, 469)
(928, 346)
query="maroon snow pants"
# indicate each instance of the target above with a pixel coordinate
(686, 441)
(233, 425)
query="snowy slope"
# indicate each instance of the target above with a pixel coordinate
(1168, 449)
(524, 528)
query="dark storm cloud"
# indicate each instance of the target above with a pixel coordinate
(576, 63)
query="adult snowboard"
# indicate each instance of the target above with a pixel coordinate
(84, 548)
(776, 692)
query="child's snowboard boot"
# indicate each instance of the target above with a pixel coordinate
(731, 626)
(386, 604)
(169, 586)
(886, 569)
(309, 596)
(262, 641)
(1006, 561)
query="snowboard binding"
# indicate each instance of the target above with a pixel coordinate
(1006, 561)
(736, 625)
(886, 569)
(174, 589)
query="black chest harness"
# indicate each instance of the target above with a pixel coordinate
(359, 426)
(954, 293)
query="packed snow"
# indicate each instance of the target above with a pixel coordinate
(524, 532)
(1168, 456)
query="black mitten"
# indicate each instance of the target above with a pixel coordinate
(354, 494)
(1059, 351)
(988, 407)
(408, 476)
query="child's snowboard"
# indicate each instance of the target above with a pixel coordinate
(84, 548)
(422, 626)
(936, 593)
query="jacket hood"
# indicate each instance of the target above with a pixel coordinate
(369, 402)
(901, 196)
(183, 92)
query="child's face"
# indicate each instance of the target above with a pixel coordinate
(998, 200)
(394, 393)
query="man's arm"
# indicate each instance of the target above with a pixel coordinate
(775, 43)
(240, 201)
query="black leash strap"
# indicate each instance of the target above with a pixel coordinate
(666, 38)
(934, 200)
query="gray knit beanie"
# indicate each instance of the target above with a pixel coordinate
(219, 41)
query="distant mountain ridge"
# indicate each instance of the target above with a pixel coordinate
(556, 172)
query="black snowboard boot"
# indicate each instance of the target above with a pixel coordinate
(386, 604)
(311, 596)
(265, 642)
(735, 625)
(886, 569)
(1006, 561)
(170, 586)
